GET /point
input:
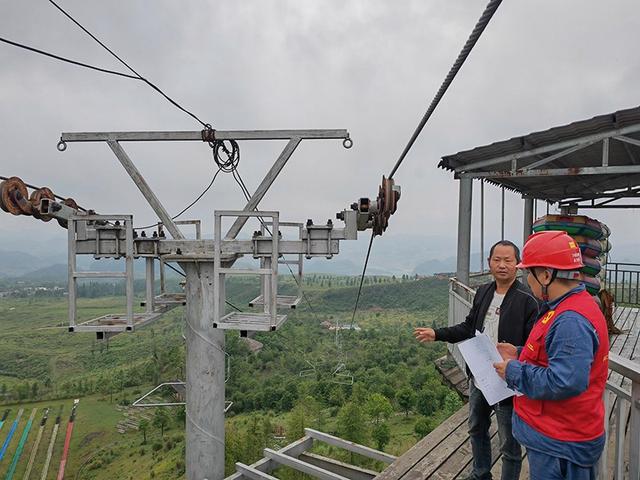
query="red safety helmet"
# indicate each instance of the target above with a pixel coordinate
(551, 249)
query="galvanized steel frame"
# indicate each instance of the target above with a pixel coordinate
(198, 258)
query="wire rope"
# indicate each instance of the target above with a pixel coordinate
(482, 23)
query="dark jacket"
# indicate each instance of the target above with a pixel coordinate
(518, 313)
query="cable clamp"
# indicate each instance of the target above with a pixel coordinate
(208, 134)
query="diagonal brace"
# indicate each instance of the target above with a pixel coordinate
(144, 188)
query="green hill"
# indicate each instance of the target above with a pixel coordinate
(289, 383)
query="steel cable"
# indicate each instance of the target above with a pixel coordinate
(482, 23)
(477, 31)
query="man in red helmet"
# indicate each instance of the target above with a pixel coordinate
(506, 312)
(562, 369)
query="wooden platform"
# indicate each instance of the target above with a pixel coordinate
(446, 452)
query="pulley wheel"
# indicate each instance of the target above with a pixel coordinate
(13, 197)
(35, 198)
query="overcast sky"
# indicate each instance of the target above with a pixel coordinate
(369, 66)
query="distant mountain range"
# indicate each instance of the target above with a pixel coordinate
(390, 255)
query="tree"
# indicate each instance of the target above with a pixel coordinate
(422, 427)
(351, 424)
(378, 407)
(143, 425)
(406, 399)
(295, 423)
(427, 401)
(381, 434)
(160, 420)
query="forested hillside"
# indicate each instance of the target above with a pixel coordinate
(375, 384)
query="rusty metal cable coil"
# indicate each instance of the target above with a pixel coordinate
(14, 197)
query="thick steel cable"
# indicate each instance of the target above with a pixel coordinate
(482, 23)
(490, 9)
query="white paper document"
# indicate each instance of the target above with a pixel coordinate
(480, 353)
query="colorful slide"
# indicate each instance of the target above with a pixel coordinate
(34, 449)
(4, 417)
(67, 440)
(7, 441)
(23, 440)
(54, 435)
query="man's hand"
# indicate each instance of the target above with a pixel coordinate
(424, 334)
(507, 351)
(501, 368)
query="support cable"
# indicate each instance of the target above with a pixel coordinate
(67, 60)
(364, 270)
(482, 23)
(137, 75)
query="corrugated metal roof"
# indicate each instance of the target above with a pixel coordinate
(560, 187)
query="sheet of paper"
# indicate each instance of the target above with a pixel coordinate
(480, 353)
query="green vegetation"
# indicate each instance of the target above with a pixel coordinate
(375, 385)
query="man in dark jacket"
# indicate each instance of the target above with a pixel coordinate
(506, 311)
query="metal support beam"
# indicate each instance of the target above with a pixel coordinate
(528, 219)
(464, 230)
(350, 446)
(548, 148)
(205, 365)
(144, 188)
(150, 284)
(197, 135)
(267, 181)
(481, 226)
(340, 468)
(556, 172)
(301, 466)
(561, 154)
(253, 473)
(502, 205)
(634, 432)
(629, 140)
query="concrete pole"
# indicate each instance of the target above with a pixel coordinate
(528, 218)
(205, 362)
(464, 230)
